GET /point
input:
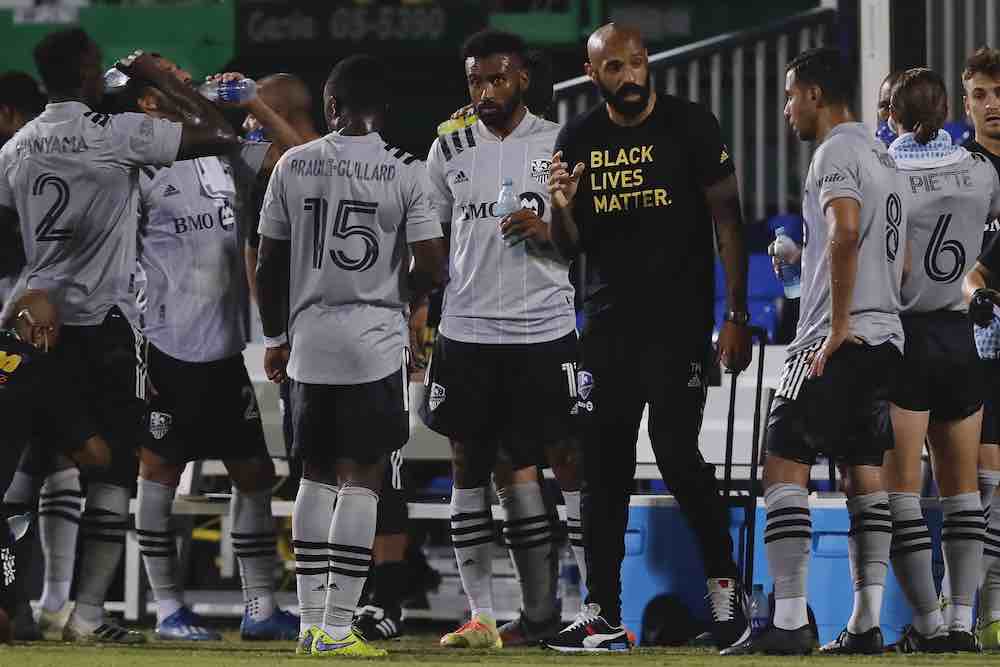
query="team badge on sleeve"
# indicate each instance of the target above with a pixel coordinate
(584, 388)
(540, 170)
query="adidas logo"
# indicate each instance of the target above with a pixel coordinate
(461, 178)
(170, 191)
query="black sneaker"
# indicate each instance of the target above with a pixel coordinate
(729, 617)
(590, 633)
(374, 624)
(960, 641)
(775, 641)
(848, 643)
(914, 642)
(522, 631)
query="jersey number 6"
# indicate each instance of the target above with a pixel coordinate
(342, 229)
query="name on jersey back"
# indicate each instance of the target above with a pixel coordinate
(33, 145)
(362, 171)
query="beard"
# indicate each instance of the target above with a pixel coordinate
(496, 115)
(623, 106)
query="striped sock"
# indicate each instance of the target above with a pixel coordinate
(527, 530)
(910, 553)
(787, 541)
(472, 537)
(574, 529)
(255, 546)
(59, 508)
(311, 519)
(962, 543)
(102, 533)
(352, 534)
(158, 546)
(868, 543)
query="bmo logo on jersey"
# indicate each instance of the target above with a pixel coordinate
(529, 200)
(224, 217)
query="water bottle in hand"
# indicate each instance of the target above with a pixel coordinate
(507, 203)
(791, 272)
(234, 92)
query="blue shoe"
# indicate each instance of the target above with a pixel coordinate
(186, 625)
(281, 625)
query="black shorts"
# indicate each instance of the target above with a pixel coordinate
(941, 371)
(8, 572)
(104, 367)
(355, 422)
(520, 396)
(205, 410)
(991, 401)
(844, 413)
(392, 510)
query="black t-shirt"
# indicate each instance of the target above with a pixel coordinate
(643, 217)
(992, 226)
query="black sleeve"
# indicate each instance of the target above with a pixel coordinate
(574, 150)
(709, 154)
(990, 257)
(253, 213)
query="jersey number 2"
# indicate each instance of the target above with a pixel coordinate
(343, 229)
(47, 230)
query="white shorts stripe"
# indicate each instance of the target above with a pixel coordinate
(796, 371)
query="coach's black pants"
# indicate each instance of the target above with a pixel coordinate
(625, 373)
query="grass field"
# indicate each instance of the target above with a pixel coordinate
(419, 650)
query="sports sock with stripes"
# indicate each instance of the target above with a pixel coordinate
(962, 536)
(102, 535)
(352, 533)
(910, 554)
(157, 545)
(787, 542)
(472, 537)
(574, 530)
(989, 593)
(311, 519)
(59, 507)
(868, 546)
(988, 480)
(527, 531)
(255, 544)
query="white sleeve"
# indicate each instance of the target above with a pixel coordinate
(140, 139)
(6, 192)
(420, 224)
(439, 197)
(275, 222)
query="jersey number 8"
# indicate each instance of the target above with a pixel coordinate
(343, 229)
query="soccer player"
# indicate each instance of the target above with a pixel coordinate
(981, 81)
(938, 396)
(636, 184)
(831, 396)
(503, 370)
(341, 217)
(204, 406)
(70, 178)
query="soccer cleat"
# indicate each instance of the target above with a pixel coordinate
(729, 618)
(848, 643)
(775, 641)
(375, 625)
(960, 641)
(479, 632)
(989, 636)
(281, 625)
(590, 633)
(351, 645)
(106, 632)
(523, 631)
(913, 642)
(185, 625)
(54, 621)
(305, 641)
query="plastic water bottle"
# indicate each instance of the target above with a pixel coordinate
(760, 611)
(239, 91)
(791, 273)
(19, 524)
(507, 201)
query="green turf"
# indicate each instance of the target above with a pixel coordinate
(422, 650)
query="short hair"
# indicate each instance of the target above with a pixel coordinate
(824, 68)
(491, 42)
(920, 102)
(57, 58)
(21, 92)
(359, 83)
(984, 61)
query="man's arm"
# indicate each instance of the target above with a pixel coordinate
(429, 268)
(843, 217)
(724, 204)
(283, 136)
(563, 231)
(273, 271)
(250, 262)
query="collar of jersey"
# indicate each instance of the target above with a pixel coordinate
(939, 152)
(371, 137)
(65, 109)
(523, 128)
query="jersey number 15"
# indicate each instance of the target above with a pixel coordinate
(343, 229)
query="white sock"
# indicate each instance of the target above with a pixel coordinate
(311, 519)
(929, 625)
(158, 546)
(255, 545)
(102, 533)
(59, 507)
(472, 536)
(574, 529)
(352, 534)
(960, 618)
(790, 613)
(867, 605)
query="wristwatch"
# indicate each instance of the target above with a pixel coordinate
(740, 317)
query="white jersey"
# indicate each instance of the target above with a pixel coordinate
(349, 205)
(498, 294)
(72, 175)
(190, 253)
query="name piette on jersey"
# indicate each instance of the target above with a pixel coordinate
(361, 171)
(617, 179)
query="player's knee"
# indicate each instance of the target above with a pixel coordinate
(315, 471)
(470, 471)
(94, 455)
(565, 460)
(156, 469)
(252, 474)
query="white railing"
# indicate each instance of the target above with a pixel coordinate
(954, 30)
(741, 78)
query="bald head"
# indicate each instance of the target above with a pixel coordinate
(619, 65)
(612, 37)
(287, 94)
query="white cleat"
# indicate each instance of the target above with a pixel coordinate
(53, 622)
(105, 632)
